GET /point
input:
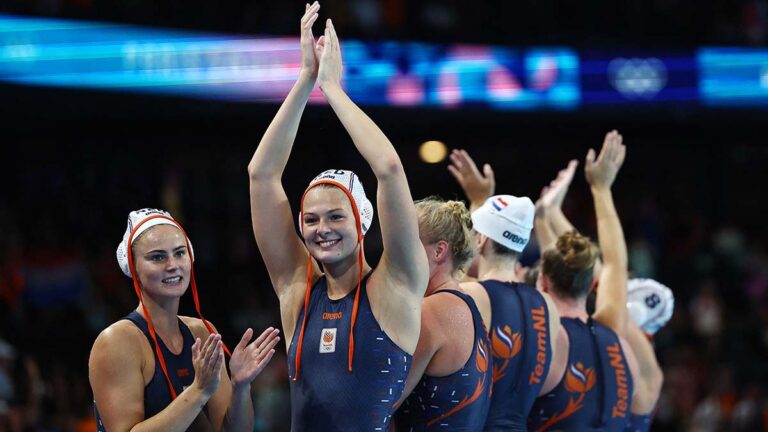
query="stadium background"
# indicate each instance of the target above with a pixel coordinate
(75, 162)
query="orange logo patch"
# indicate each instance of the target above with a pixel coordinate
(579, 380)
(481, 362)
(328, 340)
(481, 359)
(505, 346)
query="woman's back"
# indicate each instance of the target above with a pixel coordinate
(596, 389)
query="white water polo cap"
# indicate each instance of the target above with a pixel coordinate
(505, 219)
(137, 220)
(650, 304)
(350, 183)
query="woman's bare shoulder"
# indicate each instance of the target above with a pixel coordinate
(121, 340)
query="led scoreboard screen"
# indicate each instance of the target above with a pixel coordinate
(734, 76)
(65, 53)
(79, 54)
(633, 77)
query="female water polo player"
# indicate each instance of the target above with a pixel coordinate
(451, 376)
(649, 305)
(524, 324)
(155, 370)
(351, 330)
(597, 372)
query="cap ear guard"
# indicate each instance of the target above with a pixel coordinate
(650, 304)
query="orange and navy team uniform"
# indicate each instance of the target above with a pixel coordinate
(181, 371)
(639, 423)
(457, 402)
(343, 384)
(522, 352)
(596, 390)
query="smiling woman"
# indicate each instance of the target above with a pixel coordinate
(152, 370)
(163, 261)
(351, 331)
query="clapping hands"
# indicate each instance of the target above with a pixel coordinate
(601, 172)
(249, 359)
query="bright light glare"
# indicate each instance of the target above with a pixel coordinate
(433, 152)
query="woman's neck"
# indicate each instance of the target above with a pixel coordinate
(571, 308)
(441, 280)
(342, 277)
(164, 314)
(497, 268)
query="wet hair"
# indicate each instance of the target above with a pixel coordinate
(449, 221)
(569, 265)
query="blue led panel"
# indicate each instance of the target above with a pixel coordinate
(638, 77)
(733, 76)
(63, 53)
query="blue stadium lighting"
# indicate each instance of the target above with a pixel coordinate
(78, 54)
(734, 76)
(63, 53)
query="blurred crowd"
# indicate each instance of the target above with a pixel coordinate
(634, 23)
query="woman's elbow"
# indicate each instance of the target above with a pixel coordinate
(257, 173)
(390, 167)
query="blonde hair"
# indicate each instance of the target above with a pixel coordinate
(569, 265)
(449, 221)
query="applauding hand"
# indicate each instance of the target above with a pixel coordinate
(249, 359)
(329, 52)
(477, 186)
(207, 359)
(602, 172)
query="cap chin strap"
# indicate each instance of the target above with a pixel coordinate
(307, 291)
(137, 288)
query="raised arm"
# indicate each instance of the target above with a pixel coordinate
(549, 208)
(282, 250)
(611, 303)
(403, 258)
(542, 228)
(477, 186)
(649, 371)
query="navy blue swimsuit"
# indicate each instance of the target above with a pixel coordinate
(457, 402)
(595, 393)
(639, 423)
(180, 371)
(522, 352)
(327, 396)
